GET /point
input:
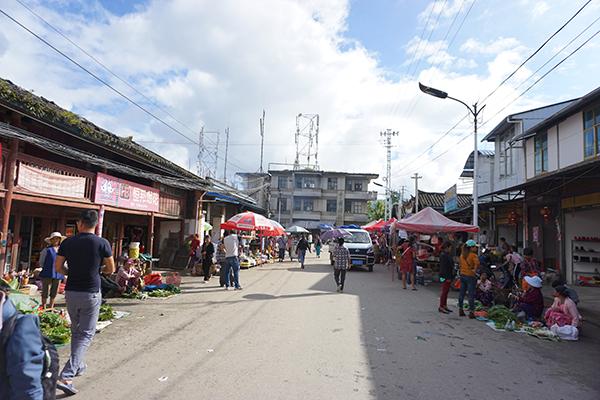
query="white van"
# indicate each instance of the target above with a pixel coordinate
(360, 247)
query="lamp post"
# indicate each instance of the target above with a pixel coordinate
(475, 112)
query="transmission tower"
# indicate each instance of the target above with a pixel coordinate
(208, 153)
(307, 141)
(387, 143)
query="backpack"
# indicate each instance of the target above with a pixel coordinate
(51, 363)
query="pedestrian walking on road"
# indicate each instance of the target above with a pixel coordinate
(50, 278)
(341, 263)
(318, 246)
(406, 259)
(446, 276)
(281, 247)
(469, 263)
(301, 249)
(208, 251)
(86, 255)
(232, 248)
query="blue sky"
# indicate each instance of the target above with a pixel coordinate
(218, 64)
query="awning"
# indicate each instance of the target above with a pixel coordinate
(430, 221)
(222, 197)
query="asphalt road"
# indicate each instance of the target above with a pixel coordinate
(289, 335)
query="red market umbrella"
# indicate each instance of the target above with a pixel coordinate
(249, 221)
(430, 221)
(379, 225)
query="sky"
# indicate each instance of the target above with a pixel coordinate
(356, 63)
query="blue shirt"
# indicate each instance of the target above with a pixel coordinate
(84, 253)
(49, 257)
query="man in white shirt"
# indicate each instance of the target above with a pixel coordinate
(483, 240)
(232, 262)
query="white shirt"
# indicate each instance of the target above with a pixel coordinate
(482, 239)
(232, 244)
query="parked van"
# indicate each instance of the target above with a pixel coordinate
(360, 247)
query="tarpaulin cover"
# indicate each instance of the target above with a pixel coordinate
(430, 221)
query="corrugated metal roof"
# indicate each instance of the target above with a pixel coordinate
(436, 201)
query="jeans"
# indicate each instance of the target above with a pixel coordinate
(206, 264)
(340, 277)
(467, 283)
(281, 254)
(232, 264)
(301, 256)
(444, 293)
(83, 310)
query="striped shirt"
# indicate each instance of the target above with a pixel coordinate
(341, 257)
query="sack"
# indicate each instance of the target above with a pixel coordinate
(567, 332)
(50, 369)
(153, 279)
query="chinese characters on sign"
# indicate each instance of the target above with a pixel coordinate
(113, 191)
(37, 180)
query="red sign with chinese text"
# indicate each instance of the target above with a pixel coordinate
(117, 192)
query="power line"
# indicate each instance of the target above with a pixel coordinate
(99, 79)
(543, 76)
(536, 51)
(461, 24)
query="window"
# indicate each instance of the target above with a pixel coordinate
(331, 205)
(308, 205)
(282, 204)
(282, 182)
(591, 133)
(357, 207)
(505, 156)
(541, 153)
(301, 204)
(332, 183)
(349, 184)
(305, 182)
(358, 186)
(347, 206)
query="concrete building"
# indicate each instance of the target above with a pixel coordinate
(308, 198)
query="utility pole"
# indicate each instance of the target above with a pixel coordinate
(200, 165)
(262, 140)
(226, 151)
(416, 177)
(401, 206)
(387, 135)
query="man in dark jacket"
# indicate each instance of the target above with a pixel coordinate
(446, 276)
(301, 249)
(22, 355)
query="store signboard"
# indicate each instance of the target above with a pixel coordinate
(117, 192)
(450, 199)
(37, 180)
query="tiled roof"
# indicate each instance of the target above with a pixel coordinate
(436, 201)
(49, 112)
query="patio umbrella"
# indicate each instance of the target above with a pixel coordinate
(207, 226)
(249, 221)
(296, 229)
(334, 234)
(325, 227)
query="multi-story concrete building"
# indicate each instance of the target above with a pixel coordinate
(308, 197)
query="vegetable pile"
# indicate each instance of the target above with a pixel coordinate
(106, 313)
(168, 290)
(54, 327)
(501, 315)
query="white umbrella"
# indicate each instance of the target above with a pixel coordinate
(296, 229)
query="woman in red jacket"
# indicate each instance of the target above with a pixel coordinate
(405, 259)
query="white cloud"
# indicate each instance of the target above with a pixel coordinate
(540, 8)
(218, 64)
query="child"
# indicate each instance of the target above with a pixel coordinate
(128, 277)
(484, 290)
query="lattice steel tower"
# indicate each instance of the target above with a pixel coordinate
(307, 141)
(387, 135)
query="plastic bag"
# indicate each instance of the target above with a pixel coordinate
(566, 332)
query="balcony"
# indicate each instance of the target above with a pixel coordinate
(308, 215)
(308, 192)
(366, 196)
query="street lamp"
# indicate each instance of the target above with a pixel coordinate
(475, 112)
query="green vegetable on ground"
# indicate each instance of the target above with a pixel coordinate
(106, 313)
(54, 327)
(501, 315)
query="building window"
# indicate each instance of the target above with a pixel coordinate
(331, 205)
(282, 182)
(541, 153)
(505, 156)
(347, 206)
(305, 182)
(332, 183)
(357, 207)
(358, 186)
(297, 204)
(591, 132)
(282, 204)
(349, 184)
(308, 205)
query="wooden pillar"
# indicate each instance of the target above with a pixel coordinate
(120, 238)
(151, 235)
(9, 180)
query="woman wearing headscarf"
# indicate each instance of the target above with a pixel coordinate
(50, 278)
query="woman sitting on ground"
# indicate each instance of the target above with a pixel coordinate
(532, 301)
(563, 311)
(128, 277)
(484, 290)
